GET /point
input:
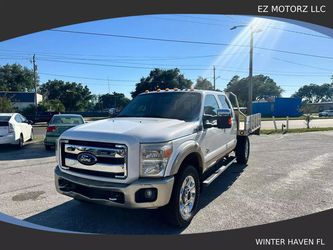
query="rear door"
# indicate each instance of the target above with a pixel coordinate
(229, 133)
(26, 127)
(19, 127)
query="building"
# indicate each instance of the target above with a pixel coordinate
(21, 100)
(278, 107)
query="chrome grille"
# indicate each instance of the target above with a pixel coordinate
(111, 158)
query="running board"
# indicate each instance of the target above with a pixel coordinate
(217, 173)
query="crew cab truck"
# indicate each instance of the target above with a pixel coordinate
(158, 152)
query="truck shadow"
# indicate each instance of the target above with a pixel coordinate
(92, 218)
(221, 184)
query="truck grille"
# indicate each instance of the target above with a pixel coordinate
(94, 158)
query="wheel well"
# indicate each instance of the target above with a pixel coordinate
(195, 160)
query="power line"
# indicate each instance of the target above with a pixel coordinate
(126, 58)
(302, 64)
(219, 24)
(184, 69)
(90, 78)
(298, 32)
(182, 20)
(189, 42)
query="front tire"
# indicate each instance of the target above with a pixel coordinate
(242, 149)
(185, 196)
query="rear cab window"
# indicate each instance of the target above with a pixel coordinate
(225, 103)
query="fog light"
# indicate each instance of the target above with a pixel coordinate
(146, 195)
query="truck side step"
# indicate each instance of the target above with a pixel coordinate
(219, 171)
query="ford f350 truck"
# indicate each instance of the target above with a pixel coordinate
(158, 152)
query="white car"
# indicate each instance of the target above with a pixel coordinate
(15, 129)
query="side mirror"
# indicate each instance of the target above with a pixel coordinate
(224, 118)
(209, 121)
(30, 122)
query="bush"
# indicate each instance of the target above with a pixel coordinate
(53, 105)
(6, 105)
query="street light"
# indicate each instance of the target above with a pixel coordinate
(250, 89)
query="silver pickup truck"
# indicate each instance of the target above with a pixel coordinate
(158, 152)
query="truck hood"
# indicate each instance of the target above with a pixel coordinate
(140, 130)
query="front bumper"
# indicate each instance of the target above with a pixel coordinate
(8, 139)
(98, 191)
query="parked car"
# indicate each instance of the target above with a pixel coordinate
(158, 152)
(326, 113)
(59, 124)
(15, 129)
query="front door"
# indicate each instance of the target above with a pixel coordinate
(213, 140)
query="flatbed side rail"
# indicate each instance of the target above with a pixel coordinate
(252, 123)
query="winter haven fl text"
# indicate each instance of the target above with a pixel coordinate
(290, 242)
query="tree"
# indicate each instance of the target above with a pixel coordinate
(15, 77)
(203, 83)
(160, 78)
(53, 105)
(5, 105)
(314, 93)
(115, 100)
(74, 96)
(263, 87)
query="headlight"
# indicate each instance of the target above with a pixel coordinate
(154, 159)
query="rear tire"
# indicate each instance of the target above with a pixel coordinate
(20, 142)
(32, 135)
(242, 149)
(184, 199)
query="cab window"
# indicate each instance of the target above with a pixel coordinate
(211, 106)
(225, 104)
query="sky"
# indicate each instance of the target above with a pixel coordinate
(109, 63)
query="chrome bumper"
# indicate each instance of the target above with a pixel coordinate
(89, 190)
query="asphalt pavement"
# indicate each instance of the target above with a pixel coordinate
(287, 176)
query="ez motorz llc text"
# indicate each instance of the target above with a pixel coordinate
(291, 8)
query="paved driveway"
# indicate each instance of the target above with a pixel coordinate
(287, 176)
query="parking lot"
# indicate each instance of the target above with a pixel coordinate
(287, 176)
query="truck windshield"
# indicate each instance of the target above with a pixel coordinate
(171, 105)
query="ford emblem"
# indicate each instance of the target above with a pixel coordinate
(87, 158)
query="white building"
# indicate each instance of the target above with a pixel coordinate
(21, 100)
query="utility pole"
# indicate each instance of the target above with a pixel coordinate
(109, 85)
(214, 78)
(250, 94)
(250, 87)
(34, 68)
